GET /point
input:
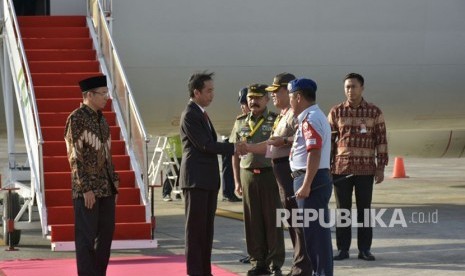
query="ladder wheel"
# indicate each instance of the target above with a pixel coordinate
(12, 201)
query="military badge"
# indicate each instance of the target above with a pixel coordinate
(266, 128)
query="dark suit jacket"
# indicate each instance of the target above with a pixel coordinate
(199, 165)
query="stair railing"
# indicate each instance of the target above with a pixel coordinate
(132, 127)
(15, 72)
(164, 164)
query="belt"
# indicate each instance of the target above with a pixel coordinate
(297, 173)
(259, 170)
(280, 160)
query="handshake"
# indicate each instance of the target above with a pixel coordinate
(242, 148)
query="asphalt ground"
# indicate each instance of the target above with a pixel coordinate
(430, 203)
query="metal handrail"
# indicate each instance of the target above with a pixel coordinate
(28, 74)
(22, 71)
(124, 78)
(116, 72)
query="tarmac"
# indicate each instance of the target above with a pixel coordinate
(424, 233)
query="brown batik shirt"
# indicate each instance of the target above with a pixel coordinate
(359, 143)
(88, 143)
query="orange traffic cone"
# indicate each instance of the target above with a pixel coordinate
(399, 170)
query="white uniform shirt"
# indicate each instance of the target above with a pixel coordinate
(313, 132)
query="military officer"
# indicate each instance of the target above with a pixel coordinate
(256, 183)
(309, 162)
(278, 147)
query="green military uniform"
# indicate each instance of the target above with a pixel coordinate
(265, 241)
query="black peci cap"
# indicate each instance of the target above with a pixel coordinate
(92, 83)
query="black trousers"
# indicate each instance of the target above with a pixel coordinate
(25, 7)
(227, 176)
(343, 190)
(200, 208)
(167, 188)
(301, 264)
(94, 230)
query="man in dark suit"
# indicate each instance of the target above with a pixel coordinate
(199, 174)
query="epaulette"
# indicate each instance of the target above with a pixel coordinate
(271, 117)
(242, 116)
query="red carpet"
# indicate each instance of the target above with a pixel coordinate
(121, 266)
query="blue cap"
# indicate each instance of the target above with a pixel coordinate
(301, 84)
(242, 96)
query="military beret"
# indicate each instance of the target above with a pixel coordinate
(242, 96)
(301, 84)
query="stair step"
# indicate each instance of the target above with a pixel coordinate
(60, 79)
(56, 133)
(58, 92)
(54, 32)
(63, 66)
(57, 43)
(123, 231)
(59, 118)
(64, 54)
(51, 21)
(124, 214)
(58, 148)
(61, 163)
(62, 180)
(63, 197)
(63, 105)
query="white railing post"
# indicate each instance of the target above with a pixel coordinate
(19, 80)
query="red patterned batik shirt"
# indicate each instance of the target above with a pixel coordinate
(359, 139)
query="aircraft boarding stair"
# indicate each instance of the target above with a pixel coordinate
(60, 51)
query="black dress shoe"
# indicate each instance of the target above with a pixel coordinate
(366, 255)
(341, 255)
(276, 271)
(256, 271)
(232, 199)
(245, 260)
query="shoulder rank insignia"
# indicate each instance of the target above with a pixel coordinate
(242, 116)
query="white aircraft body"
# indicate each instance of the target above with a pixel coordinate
(411, 53)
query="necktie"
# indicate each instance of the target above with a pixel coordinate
(207, 119)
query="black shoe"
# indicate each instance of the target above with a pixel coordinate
(232, 199)
(366, 255)
(256, 271)
(245, 260)
(342, 255)
(276, 271)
